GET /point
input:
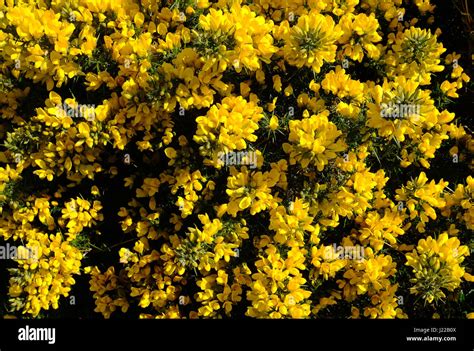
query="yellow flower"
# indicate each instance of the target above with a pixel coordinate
(415, 53)
(277, 83)
(314, 140)
(421, 197)
(436, 266)
(273, 122)
(360, 34)
(311, 41)
(250, 190)
(227, 126)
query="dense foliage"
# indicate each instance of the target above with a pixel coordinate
(265, 158)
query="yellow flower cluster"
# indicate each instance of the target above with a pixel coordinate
(421, 199)
(46, 275)
(277, 286)
(360, 34)
(102, 285)
(79, 214)
(461, 199)
(311, 42)
(414, 53)
(436, 266)
(341, 85)
(316, 141)
(232, 158)
(248, 189)
(227, 126)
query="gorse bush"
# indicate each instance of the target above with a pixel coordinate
(270, 159)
